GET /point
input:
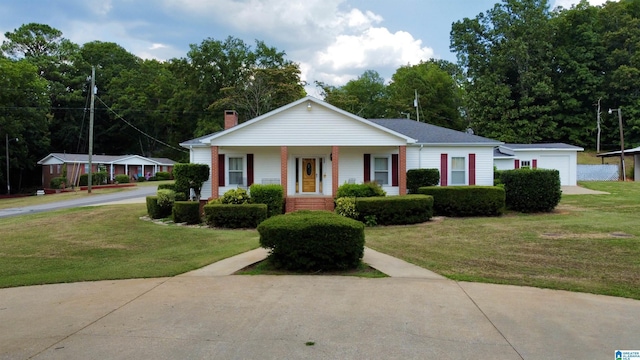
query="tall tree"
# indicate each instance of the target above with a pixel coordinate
(440, 94)
(365, 96)
(59, 62)
(24, 105)
(508, 55)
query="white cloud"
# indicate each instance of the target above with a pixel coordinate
(157, 46)
(100, 7)
(566, 4)
(331, 44)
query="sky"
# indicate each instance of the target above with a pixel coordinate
(333, 41)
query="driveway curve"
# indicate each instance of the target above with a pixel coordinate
(208, 314)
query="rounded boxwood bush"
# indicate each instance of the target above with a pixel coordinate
(313, 241)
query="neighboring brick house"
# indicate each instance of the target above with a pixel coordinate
(54, 164)
(311, 147)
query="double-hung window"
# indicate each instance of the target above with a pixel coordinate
(525, 164)
(236, 171)
(458, 172)
(381, 170)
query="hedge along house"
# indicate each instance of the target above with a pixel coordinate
(54, 164)
(311, 147)
(555, 156)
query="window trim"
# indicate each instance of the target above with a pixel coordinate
(228, 170)
(465, 170)
(388, 171)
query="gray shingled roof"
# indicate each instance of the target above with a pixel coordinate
(548, 146)
(498, 154)
(104, 159)
(432, 134)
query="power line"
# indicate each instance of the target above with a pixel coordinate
(140, 131)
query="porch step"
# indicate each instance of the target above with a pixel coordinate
(309, 203)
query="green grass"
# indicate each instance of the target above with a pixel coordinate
(107, 242)
(591, 243)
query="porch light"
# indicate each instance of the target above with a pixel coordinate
(308, 105)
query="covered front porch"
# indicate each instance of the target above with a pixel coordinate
(309, 175)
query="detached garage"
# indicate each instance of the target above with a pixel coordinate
(557, 156)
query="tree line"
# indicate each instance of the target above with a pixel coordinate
(525, 73)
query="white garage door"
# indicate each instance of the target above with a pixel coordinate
(557, 162)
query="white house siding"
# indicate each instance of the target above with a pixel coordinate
(563, 161)
(504, 164)
(429, 158)
(202, 155)
(299, 127)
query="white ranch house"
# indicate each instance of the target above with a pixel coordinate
(311, 147)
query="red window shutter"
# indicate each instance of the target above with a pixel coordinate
(394, 169)
(221, 170)
(516, 164)
(249, 169)
(472, 169)
(444, 169)
(534, 163)
(367, 167)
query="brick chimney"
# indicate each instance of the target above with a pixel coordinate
(230, 119)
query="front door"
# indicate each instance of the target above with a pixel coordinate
(308, 175)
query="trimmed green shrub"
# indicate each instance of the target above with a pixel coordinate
(190, 176)
(97, 178)
(166, 198)
(235, 216)
(368, 189)
(154, 210)
(417, 178)
(532, 190)
(395, 210)
(186, 212)
(496, 176)
(167, 186)
(271, 195)
(181, 196)
(313, 241)
(122, 179)
(235, 197)
(346, 206)
(466, 200)
(56, 182)
(141, 179)
(163, 175)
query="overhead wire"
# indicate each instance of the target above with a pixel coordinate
(119, 117)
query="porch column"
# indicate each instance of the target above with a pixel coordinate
(111, 172)
(402, 170)
(284, 156)
(335, 150)
(214, 172)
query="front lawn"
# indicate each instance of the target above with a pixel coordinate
(107, 242)
(591, 243)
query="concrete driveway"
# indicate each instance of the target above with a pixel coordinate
(207, 314)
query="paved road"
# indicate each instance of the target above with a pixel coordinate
(138, 192)
(206, 314)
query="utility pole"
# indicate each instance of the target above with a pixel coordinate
(598, 138)
(91, 111)
(416, 105)
(6, 136)
(624, 175)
